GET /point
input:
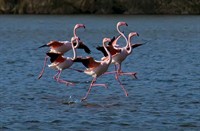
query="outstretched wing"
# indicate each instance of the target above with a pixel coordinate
(101, 48)
(136, 45)
(114, 40)
(88, 62)
(83, 46)
(114, 43)
(110, 43)
(110, 48)
(53, 56)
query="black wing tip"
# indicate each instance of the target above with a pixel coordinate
(83, 46)
(136, 45)
(43, 46)
(113, 39)
(53, 56)
(99, 47)
(87, 50)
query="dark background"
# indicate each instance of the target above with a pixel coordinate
(100, 7)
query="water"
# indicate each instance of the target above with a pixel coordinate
(164, 97)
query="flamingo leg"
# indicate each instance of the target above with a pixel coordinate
(117, 78)
(55, 76)
(119, 72)
(60, 80)
(133, 74)
(91, 85)
(117, 69)
(42, 72)
(84, 98)
(104, 85)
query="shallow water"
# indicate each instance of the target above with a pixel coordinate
(164, 97)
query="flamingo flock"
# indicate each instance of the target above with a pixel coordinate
(112, 52)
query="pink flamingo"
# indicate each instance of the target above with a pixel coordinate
(59, 62)
(95, 68)
(112, 45)
(119, 54)
(63, 46)
(119, 57)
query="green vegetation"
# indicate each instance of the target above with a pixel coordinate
(100, 7)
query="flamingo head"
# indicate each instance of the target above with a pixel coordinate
(121, 23)
(133, 34)
(106, 40)
(75, 40)
(79, 26)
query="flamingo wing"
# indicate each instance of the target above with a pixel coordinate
(114, 42)
(100, 48)
(110, 48)
(45, 45)
(56, 57)
(53, 56)
(83, 46)
(110, 43)
(55, 44)
(136, 45)
(52, 44)
(88, 62)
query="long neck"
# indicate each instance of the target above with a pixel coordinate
(75, 32)
(128, 46)
(109, 55)
(122, 34)
(74, 51)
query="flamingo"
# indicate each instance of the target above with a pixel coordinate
(112, 46)
(63, 46)
(59, 62)
(115, 49)
(95, 68)
(120, 56)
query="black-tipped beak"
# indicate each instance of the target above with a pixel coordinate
(84, 27)
(126, 24)
(137, 34)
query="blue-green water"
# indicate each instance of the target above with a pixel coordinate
(166, 95)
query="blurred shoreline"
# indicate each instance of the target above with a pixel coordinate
(128, 7)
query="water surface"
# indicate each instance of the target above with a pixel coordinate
(164, 97)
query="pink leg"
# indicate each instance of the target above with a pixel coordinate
(91, 85)
(104, 85)
(117, 78)
(119, 72)
(42, 72)
(60, 80)
(55, 76)
(133, 74)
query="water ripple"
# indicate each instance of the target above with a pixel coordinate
(164, 97)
